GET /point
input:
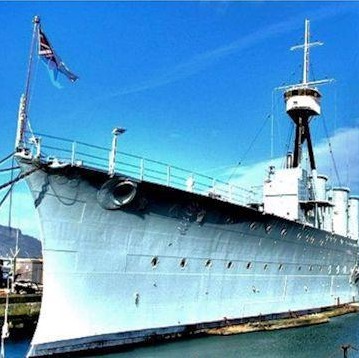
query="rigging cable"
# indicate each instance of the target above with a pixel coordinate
(328, 138)
(32, 90)
(331, 152)
(250, 147)
(6, 195)
(18, 178)
(8, 169)
(7, 157)
(10, 193)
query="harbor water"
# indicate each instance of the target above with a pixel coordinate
(321, 341)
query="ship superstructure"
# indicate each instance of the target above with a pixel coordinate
(294, 192)
(136, 250)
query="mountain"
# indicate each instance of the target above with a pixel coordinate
(29, 246)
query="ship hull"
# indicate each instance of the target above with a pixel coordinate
(169, 262)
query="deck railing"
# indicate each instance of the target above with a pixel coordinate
(79, 153)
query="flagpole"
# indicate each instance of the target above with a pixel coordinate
(22, 116)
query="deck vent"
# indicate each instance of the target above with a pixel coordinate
(249, 265)
(208, 263)
(229, 265)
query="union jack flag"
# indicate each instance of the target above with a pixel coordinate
(54, 62)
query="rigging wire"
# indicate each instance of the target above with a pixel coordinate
(29, 100)
(7, 157)
(18, 178)
(249, 147)
(8, 169)
(6, 195)
(10, 194)
(328, 139)
(331, 152)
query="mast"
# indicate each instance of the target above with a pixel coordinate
(22, 115)
(303, 102)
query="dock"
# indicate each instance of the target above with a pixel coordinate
(284, 323)
(23, 312)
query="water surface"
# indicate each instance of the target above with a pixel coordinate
(321, 341)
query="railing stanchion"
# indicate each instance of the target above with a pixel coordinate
(156, 172)
(112, 155)
(73, 151)
(168, 175)
(142, 168)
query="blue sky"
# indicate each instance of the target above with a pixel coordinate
(191, 81)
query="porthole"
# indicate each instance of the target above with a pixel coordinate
(265, 267)
(280, 267)
(229, 264)
(283, 232)
(338, 269)
(299, 268)
(183, 263)
(252, 226)
(154, 261)
(310, 267)
(330, 269)
(268, 229)
(249, 265)
(208, 263)
(299, 236)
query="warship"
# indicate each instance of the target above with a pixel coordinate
(136, 250)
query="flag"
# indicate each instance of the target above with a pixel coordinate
(53, 62)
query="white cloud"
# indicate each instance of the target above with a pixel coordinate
(344, 143)
(345, 149)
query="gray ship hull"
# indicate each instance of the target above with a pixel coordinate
(169, 262)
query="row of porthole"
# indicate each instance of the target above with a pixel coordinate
(283, 232)
(208, 264)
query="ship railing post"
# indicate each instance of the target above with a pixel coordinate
(142, 168)
(112, 155)
(190, 183)
(168, 175)
(38, 147)
(35, 143)
(73, 153)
